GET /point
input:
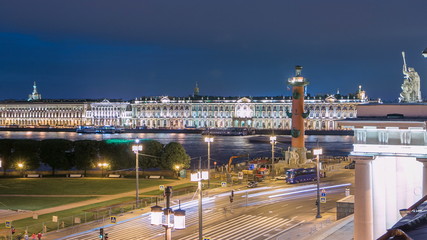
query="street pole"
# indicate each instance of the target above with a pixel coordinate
(137, 178)
(272, 158)
(136, 148)
(168, 212)
(200, 200)
(273, 142)
(209, 164)
(209, 139)
(318, 189)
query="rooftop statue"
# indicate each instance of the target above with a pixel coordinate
(411, 91)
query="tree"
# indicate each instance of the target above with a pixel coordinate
(85, 154)
(155, 150)
(26, 152)
(174, 154)
(119, 155)
(6, 151)
(56, 153)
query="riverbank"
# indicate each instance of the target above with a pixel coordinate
(189, 131)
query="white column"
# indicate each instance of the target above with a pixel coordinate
(379, 200)
(424, 162)
(363, 215)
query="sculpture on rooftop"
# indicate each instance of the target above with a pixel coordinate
(411, 91)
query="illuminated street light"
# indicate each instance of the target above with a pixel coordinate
(179, 215)
(318, 152)
(136, 148)
(102, 166)
(177, 170)
(273, 143)
(21, 168)
(209, 140)
(198, 177)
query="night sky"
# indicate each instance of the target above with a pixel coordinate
(132, 48)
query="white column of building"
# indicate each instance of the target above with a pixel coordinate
(363, 215)
(424, 162)
(379, 200)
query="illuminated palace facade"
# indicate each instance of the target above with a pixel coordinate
(178, 113)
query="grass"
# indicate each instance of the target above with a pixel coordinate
(85, 212)
(174, 188)
(72, 186)
(37, 203)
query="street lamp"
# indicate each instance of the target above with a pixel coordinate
(198, 177)
(177, 170)
(318, 152)
(273, 143)
(102, 166)
(136, 148)
(209, 139)
(179, 215)
(21, 167)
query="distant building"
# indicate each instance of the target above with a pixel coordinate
(34, 96)
(179, 112)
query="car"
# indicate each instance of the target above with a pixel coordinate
(252, 184)
(281, 177)
(350, 165)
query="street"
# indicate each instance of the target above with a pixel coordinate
(264, 212)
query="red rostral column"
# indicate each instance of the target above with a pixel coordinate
(298, 82)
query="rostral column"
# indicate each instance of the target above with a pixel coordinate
(298, 150)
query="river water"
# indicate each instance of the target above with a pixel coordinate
(222, 148)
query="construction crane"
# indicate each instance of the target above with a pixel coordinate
(233, 157)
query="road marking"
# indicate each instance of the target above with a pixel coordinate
(314, 208)
(279, 233)
(298, 207)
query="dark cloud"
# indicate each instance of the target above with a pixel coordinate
(106, 48)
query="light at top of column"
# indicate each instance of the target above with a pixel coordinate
(179, 219)
(209, 139)
(156, 215)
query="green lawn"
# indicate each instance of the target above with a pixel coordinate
(72, 186)
(88, 212)
(174, 188)
(36, 203)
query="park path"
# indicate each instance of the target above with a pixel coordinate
(100, 198)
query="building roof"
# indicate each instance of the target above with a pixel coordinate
(413, 225)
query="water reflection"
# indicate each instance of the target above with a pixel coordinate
(221, 149)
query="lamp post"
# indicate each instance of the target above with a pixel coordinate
(21, 167)
(209, 139)
(102, 165)
(273, 143)
(198, 177)
(136, 148)
(179, 215)
(177, 170)
(318, 152)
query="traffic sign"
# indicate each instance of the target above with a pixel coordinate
(206, 239)
(223, 184)
(323, 200)
(323, 190)
(162, 187)
(113, 219)
(8, 224)
(323, 194)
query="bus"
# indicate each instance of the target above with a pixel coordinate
(298, 175)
